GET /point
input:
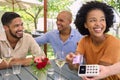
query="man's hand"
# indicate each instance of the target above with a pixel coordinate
(22, 61)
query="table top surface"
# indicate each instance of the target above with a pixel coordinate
(26, 74)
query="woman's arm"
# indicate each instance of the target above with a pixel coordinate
(114, 69)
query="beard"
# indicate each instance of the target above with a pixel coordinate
(15, 36)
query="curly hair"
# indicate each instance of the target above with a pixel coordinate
(83, 11)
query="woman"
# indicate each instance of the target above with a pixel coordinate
(94, 20)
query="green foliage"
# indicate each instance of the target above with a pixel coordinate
(40, 0)
(30, 16)
(55, 6)
(115, 4)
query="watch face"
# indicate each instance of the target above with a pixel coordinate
(82, 70)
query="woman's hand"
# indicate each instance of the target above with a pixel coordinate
(69, 60)
(104, 72)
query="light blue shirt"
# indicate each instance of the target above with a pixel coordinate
(57, 44)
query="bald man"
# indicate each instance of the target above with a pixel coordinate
(64, 39)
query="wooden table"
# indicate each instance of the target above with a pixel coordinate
(26, 74)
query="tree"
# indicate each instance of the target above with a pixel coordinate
(30, 16)
(34, 15)
(55, 6)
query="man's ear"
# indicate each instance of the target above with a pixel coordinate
(70, 21)
(5, 27)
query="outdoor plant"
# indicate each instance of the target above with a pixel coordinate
(40, 66)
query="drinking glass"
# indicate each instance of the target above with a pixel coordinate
(16, 68)
(7, 58)
(60, 61)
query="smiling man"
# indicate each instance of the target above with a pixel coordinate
(16, 40)
(65, 38)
